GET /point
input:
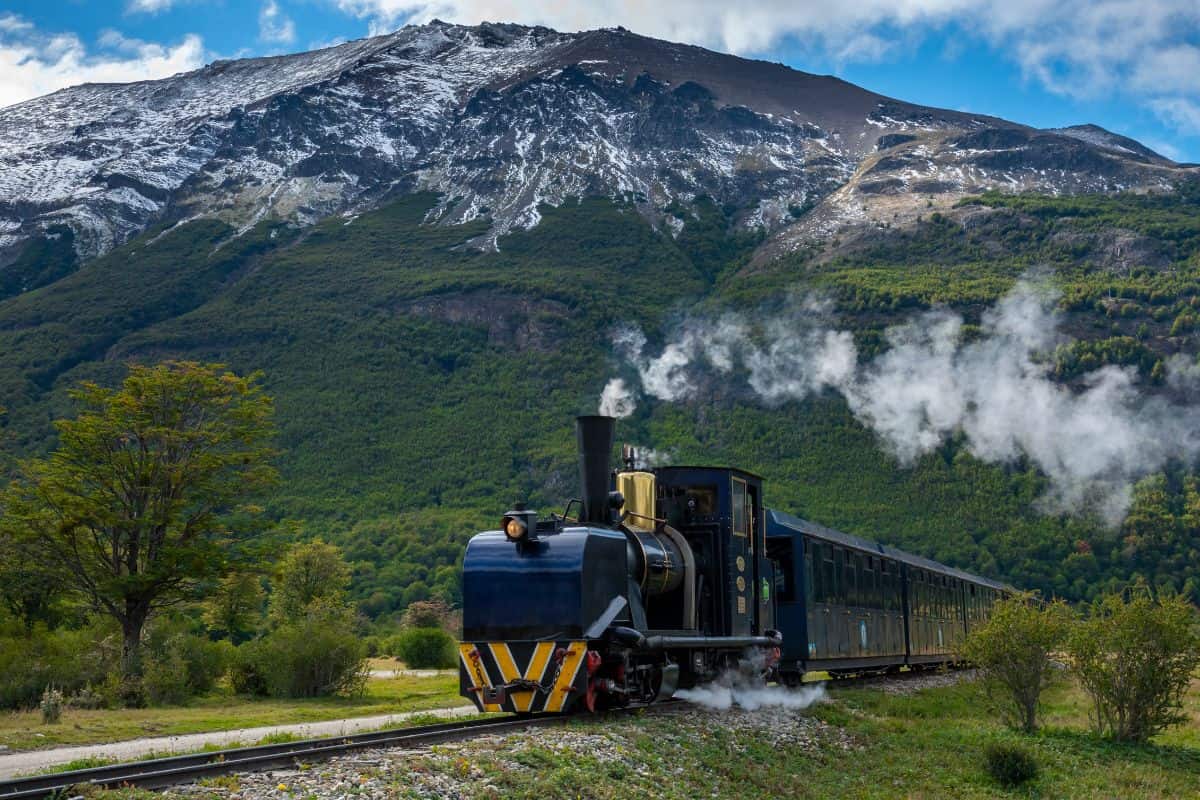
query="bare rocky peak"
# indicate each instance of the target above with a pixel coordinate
(501, 119)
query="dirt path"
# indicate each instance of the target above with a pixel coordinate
(399, 672)
(24, 763)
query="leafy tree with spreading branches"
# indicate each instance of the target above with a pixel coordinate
(148, 494)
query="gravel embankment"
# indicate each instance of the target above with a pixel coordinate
(470, 768)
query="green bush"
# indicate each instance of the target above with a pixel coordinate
(87, 698)
(1010, 765)
(165, 679)
(51, 705)
(1013, 650)
(180, 664)
(316, 655)
(425, 648)
(244, 675)
(64, 658)
(1135, 659)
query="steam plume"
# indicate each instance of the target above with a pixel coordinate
(721, 698)
(617, 400)
(995, 390)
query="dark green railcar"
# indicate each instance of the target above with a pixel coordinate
(848, 604)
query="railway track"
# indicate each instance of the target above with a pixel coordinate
(162, 772)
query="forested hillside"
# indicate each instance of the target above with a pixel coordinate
(422, 386)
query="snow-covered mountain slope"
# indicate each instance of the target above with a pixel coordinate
(500, 119)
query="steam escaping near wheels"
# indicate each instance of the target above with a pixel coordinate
(731, 691)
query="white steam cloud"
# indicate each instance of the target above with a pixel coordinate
(1092, 443)
(751, 698)
(617, 399)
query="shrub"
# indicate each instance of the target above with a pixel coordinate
(315, 655)
(425, 648)
(1013, 650)
(165, 679)
(1010, 765)
(244, 676)
(64, 658)
(87, 698)
(51, 706)
(1135, 659)
(180, 664)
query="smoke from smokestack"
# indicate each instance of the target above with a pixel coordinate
(932, 383)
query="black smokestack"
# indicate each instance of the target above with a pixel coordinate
(595, 436)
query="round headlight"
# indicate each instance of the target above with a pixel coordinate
(514, 529)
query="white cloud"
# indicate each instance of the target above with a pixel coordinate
(1146, 49)
(274, 25)
(1178, 112)
(1165, 148)
(33, 63)
(148, 6)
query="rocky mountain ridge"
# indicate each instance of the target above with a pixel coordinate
(501, 119)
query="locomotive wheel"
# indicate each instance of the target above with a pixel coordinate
(791, 679)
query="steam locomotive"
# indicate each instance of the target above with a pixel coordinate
(675, 576)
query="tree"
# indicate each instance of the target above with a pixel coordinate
(146, 495)
(310, 572)
(1013, 650)
(235, 606)
(1135, 658)
(427, 614)
(312, 648)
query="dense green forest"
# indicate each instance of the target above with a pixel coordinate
(422, 386)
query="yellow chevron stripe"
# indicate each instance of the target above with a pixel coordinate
(534, 672)
(508, 669)
(522, 701)
(504, 659)
(478, 672)
(566, 678)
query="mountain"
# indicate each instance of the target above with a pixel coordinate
(501, 119)
(425, 242)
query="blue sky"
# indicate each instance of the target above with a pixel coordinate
(1132, 66)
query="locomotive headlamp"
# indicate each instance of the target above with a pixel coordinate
(514, 528)
(520, 525)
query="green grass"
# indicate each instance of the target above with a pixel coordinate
(926, 745)
(222, 711)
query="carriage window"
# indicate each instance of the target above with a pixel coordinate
(809, 574)
(779, 550)
(740, 500)
(850, 592)
(828, 576)
(871, 591)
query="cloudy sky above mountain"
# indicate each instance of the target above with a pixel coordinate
(1132, 66)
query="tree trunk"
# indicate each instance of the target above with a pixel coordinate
(131, 657)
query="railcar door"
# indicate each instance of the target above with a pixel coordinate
(742, 557)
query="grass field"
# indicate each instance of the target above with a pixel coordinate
(224, 711)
